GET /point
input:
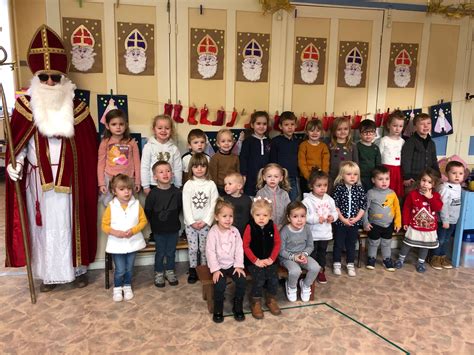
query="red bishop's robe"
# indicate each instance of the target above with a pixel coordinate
(77, 174)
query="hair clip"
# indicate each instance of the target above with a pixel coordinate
(262, 198)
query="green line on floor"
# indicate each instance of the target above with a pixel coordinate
(344, 315)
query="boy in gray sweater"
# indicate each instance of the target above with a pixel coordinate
(382, 217)
(295, 250)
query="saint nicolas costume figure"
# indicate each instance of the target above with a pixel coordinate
(55, 143)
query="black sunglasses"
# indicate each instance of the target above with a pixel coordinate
(54, 77)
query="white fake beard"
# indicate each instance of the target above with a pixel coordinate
(252, 69)
(353, 75)
(135, 60)
(401, 76)
(207, 65)
(309, 70)
(82, 57)
(52, 107)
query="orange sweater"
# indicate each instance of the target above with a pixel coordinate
(310, 156)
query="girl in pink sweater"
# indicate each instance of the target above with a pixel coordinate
(225, 257)
(118, 154)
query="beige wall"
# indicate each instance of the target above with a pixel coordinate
(311, 98)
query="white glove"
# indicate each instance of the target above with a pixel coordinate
(15, 174)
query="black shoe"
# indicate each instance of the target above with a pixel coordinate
(47, 287)
(239, 315)
(81, 281)
(218, 317)
(151, 239)
(192, 277)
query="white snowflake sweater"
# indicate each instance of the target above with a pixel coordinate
(199, 201)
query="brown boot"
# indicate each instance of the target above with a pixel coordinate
(445, 263)
(436, 262)
(256, 307)
(272, 305)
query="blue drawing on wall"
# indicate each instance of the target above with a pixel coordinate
(441, 119)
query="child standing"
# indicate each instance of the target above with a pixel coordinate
(420, 219)
(382, 217)
(233, 184)
(284, 149)
(225, 257)
(255, 152)
(369, 153)
(196, 144)
(223, 162)
(123, 221)
(160, 147)
(419, 151)
(391, 150)
(162, 208)
(261, 248)
(273, 185)
(341, 148)
(451, 196)
(350, 200)
(321, 214)
(312, 153)
(118, 154)
(295, 250)
(199, 200)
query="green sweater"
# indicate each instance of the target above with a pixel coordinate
(369, 158)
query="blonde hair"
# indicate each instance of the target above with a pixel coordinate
(261, 203)
(164, 118)
(120, 180)
(337, 122)
(284, 183)
(236, 176)
(196, 160)
(222, 132)
(220, 204)
(347, 167)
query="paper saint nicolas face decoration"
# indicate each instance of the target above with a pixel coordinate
(402, 67)
(207, 54)
(136, 48)
(83, 40)
(310, 60)
(252, 56)
(352, 68)
(442, 120)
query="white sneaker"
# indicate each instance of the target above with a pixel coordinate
(117, 295)
(305, 291)
(351, 270)
(127, 293)
(291, 293)
(336, 269)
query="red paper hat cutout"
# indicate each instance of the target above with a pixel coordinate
(403, 58)
(310, 52)
(207, 46)
(82, 37)
(46, 52)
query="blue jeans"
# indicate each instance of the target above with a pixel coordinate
(294, 192)
(443, 237)
(123, 269)
(165, 248)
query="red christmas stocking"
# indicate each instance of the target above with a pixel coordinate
(385, 116)
(233, 118)
(302, 124)
(356, 122)
(168, 109)
(276, 122)
(204, 113)
(192, 116)
(177, 113)
(220, 118)
(378, 119)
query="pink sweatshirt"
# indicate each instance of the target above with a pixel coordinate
(224, 249)
(117, 157)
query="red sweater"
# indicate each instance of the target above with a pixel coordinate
(420, 212)
(249, 253)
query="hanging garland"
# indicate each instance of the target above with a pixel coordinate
(457, 11)
(273, 6)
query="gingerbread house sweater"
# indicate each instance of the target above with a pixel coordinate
(420, 212)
